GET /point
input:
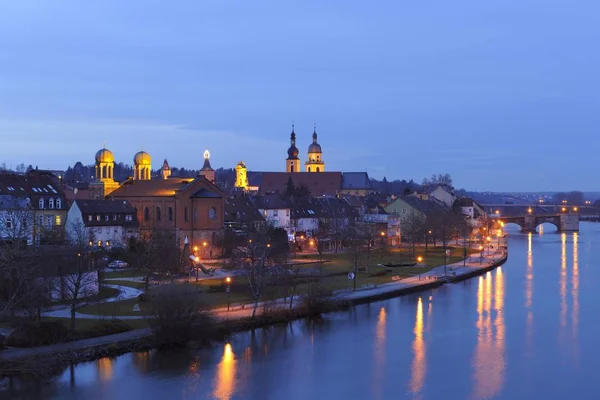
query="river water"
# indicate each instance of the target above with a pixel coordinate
(526, 330)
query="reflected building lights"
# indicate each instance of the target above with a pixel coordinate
(379, 369)
(225, 379)
(529, 294)
(105, 369)
(489, 359)
(575, 288)
(419, 365)
(563, 281)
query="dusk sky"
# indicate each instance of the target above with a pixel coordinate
(503, 95)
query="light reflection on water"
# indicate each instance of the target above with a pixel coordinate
(495, 336)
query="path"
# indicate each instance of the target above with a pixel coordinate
(16, 353)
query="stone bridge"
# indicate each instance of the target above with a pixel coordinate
(529, 222)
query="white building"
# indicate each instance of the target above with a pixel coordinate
(276, 211)
(101, 222)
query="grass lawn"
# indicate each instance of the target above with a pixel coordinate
(114, 308)
(84, 324)
(125, 273)
(135, 285)
(103, 293)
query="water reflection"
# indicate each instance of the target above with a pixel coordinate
(379, 370)
(105, 369)
(529, 294)
(489, 361)
(563, 282)
(225, 379)
(575, 290)
(419, 364)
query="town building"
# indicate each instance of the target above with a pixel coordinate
(192, 207)
(241, 214)
(276, 210)
(101, 223)
(47, 202)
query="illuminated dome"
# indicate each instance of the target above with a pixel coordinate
(142, 158)
(314, 146)
(105, 156)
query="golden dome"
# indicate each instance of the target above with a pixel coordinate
(105, 156)
(142, 158)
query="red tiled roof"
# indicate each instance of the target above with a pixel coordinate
(319, 183)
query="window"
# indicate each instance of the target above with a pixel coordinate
(170, 213)
(89, 218)
(51, 203)
(275, 213)
(8, 223)
(58, 203)
(57, 220)
(97, 218)
(49, 221)
(287, 213)
(404, 211)
(185, 215)
(158, 213)
(41, 204)
(128, 218)
(146, 214)
(107, 217)
(195, 214)
(40, 220)
(115, 217)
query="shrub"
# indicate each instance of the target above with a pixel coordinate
(30, 334)
(178, 316)
(317, 299)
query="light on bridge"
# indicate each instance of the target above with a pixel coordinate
(529, 210)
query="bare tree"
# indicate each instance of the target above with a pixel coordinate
(355, 240)
(77, 278)
(257, 257)
(413, 229)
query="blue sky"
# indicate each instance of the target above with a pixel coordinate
(503, 95)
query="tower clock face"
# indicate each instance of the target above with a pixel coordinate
(212, 213)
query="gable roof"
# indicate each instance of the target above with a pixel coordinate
(356, 180)
(241, 209)
(206, 194)
(151, 188)
(319, 183)
(104, 206)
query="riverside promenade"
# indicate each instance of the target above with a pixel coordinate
(438, 276)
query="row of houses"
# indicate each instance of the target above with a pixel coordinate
(197, 209)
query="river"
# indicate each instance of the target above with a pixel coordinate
(526, 330)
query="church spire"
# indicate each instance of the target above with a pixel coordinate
(315, 132)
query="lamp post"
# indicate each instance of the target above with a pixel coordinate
(481, 252)
(489, 242)
(228, 290)
(419, 261)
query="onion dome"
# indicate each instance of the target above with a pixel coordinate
(314, 146)
(293, 150)
(105, 156)
(142, 158)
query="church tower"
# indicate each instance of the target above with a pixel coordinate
(142, 166)
(104, 183)
(207, 170)
(315, 155)
(241, 176)
(292, 163)
(166, 170)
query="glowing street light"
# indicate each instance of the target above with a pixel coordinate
(195, 248)
(564, 209)
(419, 259)
(575, 209)
(204, 244)
(529, 210)
(228, 290)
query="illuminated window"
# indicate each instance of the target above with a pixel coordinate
(57, 220)
(97, 218)
(99, 243)
(89, 218)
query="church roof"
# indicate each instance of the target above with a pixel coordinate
(356, 180)
(322, 183)
(151, 188)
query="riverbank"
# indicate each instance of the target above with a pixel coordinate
(46, 359)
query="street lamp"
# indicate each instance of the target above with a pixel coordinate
(529, 210)
(564, 209)
(228, 290)
(575, 209)
(419, 259)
